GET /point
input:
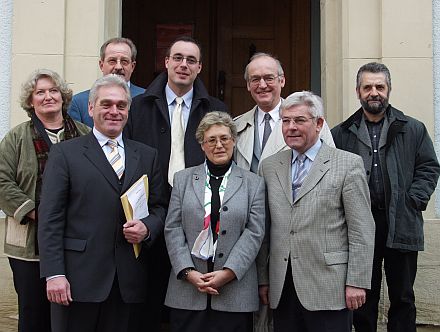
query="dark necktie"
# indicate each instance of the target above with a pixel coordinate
(267, 130)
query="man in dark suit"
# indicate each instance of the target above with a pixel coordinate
(152, 121)
(86, 245)
(117, 56)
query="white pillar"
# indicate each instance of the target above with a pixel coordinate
(436, 79)
(5, 64)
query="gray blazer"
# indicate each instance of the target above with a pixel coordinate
(241, 233)
(328, 231)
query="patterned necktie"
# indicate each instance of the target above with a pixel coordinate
(267, 129)
(300, 175)
(177, 156)
(115, 158)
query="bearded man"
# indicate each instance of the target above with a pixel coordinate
(402, 172)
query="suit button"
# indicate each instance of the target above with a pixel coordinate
(225, 208)
(285, 259)
(162, 130)
(220, 255)
(292, 232)
(368, 172)
(223, 232)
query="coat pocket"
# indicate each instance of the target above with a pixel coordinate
(74, 244)
(16, 233)
(336, 257)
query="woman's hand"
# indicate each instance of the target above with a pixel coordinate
(196, 279)
(217, 279)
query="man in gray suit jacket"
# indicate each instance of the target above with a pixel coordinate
(257, 140)
(117, 56)
(321, 234)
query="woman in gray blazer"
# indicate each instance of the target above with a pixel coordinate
(213, 231)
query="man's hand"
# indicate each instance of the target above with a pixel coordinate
(135, 231)
(263, 291)
(354, 297)
(58, 290)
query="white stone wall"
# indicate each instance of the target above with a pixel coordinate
(436, 78)
(5, 64)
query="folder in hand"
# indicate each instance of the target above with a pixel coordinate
(135, 204)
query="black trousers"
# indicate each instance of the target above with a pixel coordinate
(291, 316)
(400, 271)
(111, 315)
(209, 321)
(33, 306)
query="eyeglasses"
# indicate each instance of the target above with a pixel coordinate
(268, 79)
(212, 141)
(299, 121)
(178, 58)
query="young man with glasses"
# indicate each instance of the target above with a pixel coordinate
(259, 130)
(153, 121)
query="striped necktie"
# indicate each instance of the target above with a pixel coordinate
(177, 156)
(300, 175)
(115, 158)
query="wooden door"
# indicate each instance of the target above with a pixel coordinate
(230, 31)
(280, 27)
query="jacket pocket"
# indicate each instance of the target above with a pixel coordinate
(336, 257)
(16, 233)
(74, 244)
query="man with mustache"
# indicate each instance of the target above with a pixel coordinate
(117, 56)
(402, 171)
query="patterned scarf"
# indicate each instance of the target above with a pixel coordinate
(42, 145)
(204, 246)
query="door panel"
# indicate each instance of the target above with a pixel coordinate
(230, 32)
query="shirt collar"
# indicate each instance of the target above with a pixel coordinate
(102, 139)
(310, 153)
(171, 96)
(274, 113)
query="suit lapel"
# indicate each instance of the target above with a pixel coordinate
(131, 164)
(284, 173)
(319, 167)
(93, 152)
(234, 183)
(198, 181)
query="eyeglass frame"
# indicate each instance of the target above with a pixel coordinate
(255, 83)
(224, 140)
(302, 120)
(190, 60)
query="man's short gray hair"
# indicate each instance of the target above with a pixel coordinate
(109, 80)
(307, 98)
(215, 118)
(261, 55)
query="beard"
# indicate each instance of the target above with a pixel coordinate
(378, 107)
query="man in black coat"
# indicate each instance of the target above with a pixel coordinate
(151, 122)
(86, 244)
(402, 170)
